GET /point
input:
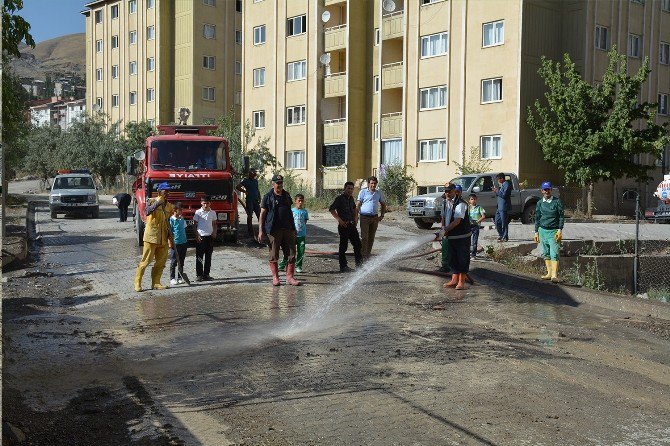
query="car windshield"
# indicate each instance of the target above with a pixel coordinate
(73, 183)
(464, 182)
(188, 155)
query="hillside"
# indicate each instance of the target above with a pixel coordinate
(65, 55)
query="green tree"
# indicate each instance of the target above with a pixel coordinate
(396, 182)
(593, 132)
(136, 136)
(43, 150)
(15, 29)
(473, 162)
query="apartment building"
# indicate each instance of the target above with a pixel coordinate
(146, 59)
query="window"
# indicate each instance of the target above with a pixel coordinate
(433, 97)
(662, 104)
(151, 94)
(98, 46)
(132, 6)
(209, 31)
(115, 100)
(602, 38)
(295, 159)
(491, 90)
(434, 45)
(98, 74)
(151, 63)
(634, 45)
(376, 83)
(151, 4)
(428, 2)
(375, 131)
(665, 5)
(259, 35)
(296, 25)
(238, 5)
(115, 42)
(259, 77)
(377, 36)
(132, 68)
(132, 37)
(151, 122)
(208, 93)
(209, 62)
(333, 155)
(259, 119)
(295, 115)
(664, 53)
(491, 147)
(432, 150)
(98, 102)
(238, 67)
(98, 16)
(115, 71)
(641, 2)
(209, 2)
(391, 152)
(114, 11)
(133, 98)
(296, 71)
(151, 32)
(493, 33)
(238, 37)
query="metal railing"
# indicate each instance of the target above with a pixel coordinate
(341, 73)
(393, 14)
(333, 121)
(334, 28)
(390, 115)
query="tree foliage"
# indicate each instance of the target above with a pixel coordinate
(136, 136)
(396, 182)
(15, 29)
(473, 162)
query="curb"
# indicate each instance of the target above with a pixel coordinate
(570, 295)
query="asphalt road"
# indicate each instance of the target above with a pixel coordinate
(378, 357)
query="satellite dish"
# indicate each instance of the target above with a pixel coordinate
(388, 5)
(325, 16)
(96, 108)
(325, 59)
(139, 155)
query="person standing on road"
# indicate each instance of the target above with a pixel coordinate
(178, 245)
(446, 208)
(371, 208)
(276, 221)
(300, 217)
(122, 201)
(206, 230)
(252, 198)
(477, 215)
(157, 233)
(549, 220)
(504, 201)
(344, 210)
(458, 234)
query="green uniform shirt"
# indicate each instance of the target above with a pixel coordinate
(549, 214)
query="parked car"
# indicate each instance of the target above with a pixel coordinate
(659, 214)
(73, 192)
(426, 209)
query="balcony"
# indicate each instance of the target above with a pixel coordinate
(392, 125)
(335, 85)
(393, 25)
(333, 2)
(336, 37)
(392, 75)
(334, 178)
(335, 130)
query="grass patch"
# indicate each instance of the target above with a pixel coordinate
(661, 294)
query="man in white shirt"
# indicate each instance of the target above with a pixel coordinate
(205, 219)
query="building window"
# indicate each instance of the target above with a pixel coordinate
(238, 37)
(208, 94)
(433, 97)
(376, 83)
(664, 53)
(132, 37)
(98, 74)
(151, 63)
(115, 100)
(602, 38)
(209, 31)
(151, 32)
(333, 155)
(114, 11)
(296, 25)
(238, 5)
(259, 119)
(665, 5)
(151, 122)
(296, 71)
(132, 68)
(98, 46)
(295, 159)
(434, 45)
(493, 33)
(433, 150)
(492, 90)
(259, 35)
(151, 4)
(641, 2)
(259, 77)
(115, 42)
(375, 131)
(295, 115)
(98, 17)
(98, 102)
(209, 2)
(238, 67)
(209, 62)
(132, 6)
(662, 104)
(115, 71)
(151, 94)
(377, 36)
(634, 45)
(491, 147)
(391, 152)
(133, 98)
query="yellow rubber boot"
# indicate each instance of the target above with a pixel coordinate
(156, 274)
(138, 279)
(554, 271)
(549, 268)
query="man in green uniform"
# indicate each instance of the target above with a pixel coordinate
(549, 221)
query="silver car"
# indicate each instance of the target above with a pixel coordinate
(74, 192)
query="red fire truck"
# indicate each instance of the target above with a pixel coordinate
(193, 164)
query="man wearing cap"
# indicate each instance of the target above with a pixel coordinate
(276, 221)
(458, 233)
(549, 221)
(252, 197)
(157, 232)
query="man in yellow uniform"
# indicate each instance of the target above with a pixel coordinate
(156, 235)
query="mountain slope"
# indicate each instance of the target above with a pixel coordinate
(65, 55)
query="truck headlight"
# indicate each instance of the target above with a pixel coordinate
(430, 204)
(55, 198)
(222, 216)
(92, 198)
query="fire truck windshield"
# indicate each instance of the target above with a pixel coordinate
(188, 155)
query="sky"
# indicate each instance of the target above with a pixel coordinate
(53, 18)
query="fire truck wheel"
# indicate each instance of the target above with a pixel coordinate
(139, 230)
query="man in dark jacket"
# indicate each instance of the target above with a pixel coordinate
(504, 201)
(345, 211)
(122, 201)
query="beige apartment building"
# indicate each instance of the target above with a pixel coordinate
(146, 59)
(342, 87)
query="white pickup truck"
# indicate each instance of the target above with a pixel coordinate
(426, 209)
